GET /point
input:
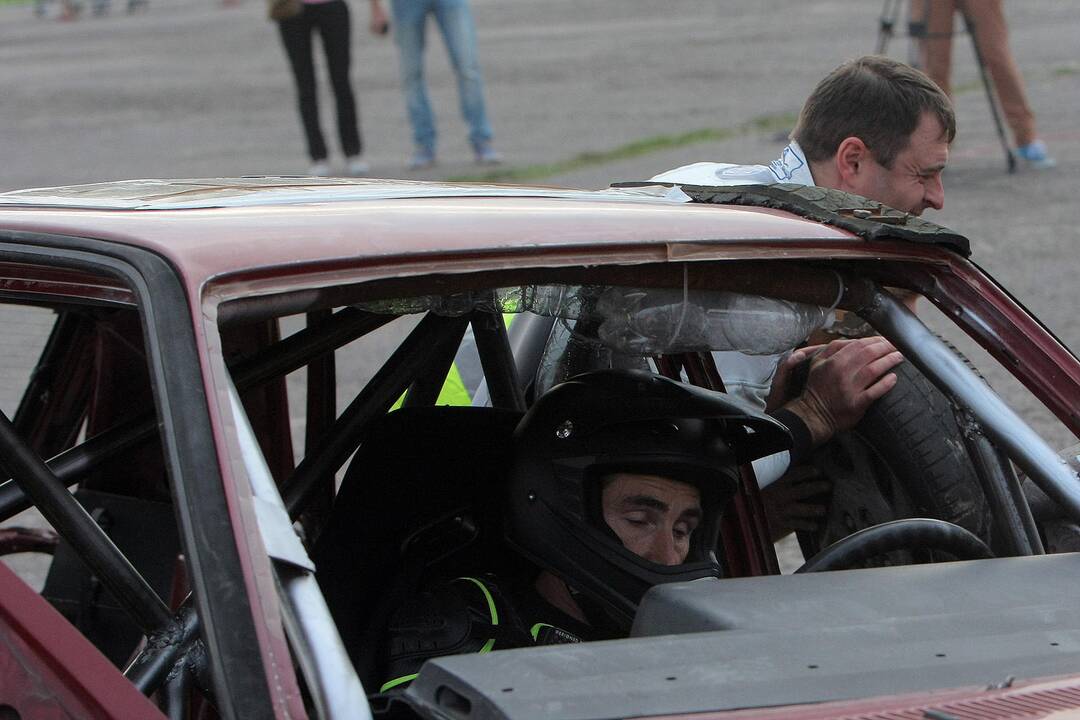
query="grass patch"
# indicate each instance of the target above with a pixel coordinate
(965, 88)
(645, 146)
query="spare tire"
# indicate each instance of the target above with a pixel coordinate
(906, 458)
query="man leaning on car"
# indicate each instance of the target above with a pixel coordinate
(877, 128)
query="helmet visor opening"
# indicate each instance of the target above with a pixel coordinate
(664, 512)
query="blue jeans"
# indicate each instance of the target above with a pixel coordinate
(456, 25)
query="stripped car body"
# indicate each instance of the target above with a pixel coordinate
(199, 275)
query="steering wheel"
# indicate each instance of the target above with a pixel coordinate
(905, 534)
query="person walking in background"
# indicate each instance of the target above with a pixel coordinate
(455, 22)
(69, 9)
(987, 18)
(331, 19)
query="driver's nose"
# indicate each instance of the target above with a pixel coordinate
(662, 549)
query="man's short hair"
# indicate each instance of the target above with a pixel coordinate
(876, 99)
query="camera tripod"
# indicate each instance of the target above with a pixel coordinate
(917, 30)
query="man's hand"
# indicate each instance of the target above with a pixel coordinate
(795, 502)
(844, 379)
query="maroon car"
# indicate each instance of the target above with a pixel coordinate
(231, 407)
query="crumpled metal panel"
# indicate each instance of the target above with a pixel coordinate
(868, 219)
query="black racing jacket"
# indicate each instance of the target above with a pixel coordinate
(470, 615)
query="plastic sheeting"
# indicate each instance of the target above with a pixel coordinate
(640, 322)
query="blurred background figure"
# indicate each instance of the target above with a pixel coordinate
(72, 9)
(331, 19)
(986, 21)
(69, 9)
(454, 18)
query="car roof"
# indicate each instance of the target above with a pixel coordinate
(173, 194)
(214, 227)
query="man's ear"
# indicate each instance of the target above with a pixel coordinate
(851, 156)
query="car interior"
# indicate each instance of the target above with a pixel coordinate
(385, 483)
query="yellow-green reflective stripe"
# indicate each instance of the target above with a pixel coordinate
(491, 610)
(487, 596)
(397, 681)
(535, 629)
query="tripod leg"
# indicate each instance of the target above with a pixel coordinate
(991, 96)
(886, 24)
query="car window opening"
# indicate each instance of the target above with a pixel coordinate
(395, 468)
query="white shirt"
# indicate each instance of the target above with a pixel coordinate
(790, 167)
(748, 377)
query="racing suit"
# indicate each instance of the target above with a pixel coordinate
(472, 615)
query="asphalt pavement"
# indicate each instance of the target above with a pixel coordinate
(580, 93)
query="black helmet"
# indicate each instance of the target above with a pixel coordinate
(625, 421)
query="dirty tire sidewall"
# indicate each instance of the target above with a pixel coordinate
(911, 445)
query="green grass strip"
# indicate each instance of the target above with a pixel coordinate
(645, 146)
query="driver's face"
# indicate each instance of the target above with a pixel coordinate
(652, 516)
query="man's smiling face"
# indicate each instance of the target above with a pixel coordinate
(913, 183)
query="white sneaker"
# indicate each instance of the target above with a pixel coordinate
(319, 168)
(486, 154)
(356, 166)
(422, 159)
